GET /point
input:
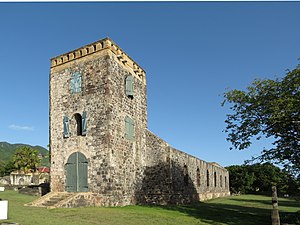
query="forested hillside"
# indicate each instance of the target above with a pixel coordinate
(7, 150)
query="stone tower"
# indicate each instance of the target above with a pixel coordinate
(98, 117)
(101, 149)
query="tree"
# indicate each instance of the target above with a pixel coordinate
(240, 179)
(268, 108)
(259, 178)
(6, 168)
(26, 159)
(266, 176)
(2, 169)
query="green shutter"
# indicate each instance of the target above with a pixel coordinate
(129, 128)
(84, 123)
(129, 86)
(66, 127)
(132, 129)
(76, 83)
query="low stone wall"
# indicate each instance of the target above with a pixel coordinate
(207, 196)
(30, 190)
(93, 199)
(35, 190)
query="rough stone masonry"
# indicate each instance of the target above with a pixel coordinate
(100, 145)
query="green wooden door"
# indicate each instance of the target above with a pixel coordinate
(71, 174)
(76, 172)
(82, 173)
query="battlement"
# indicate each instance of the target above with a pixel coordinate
(101, 45)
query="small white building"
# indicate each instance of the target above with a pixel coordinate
(31, 178)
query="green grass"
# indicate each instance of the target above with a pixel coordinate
(237, 210)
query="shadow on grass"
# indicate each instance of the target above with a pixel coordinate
(290, 218)
(214, 213)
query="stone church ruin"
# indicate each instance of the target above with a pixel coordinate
(102, 153)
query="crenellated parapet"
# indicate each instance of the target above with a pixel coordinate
(98, 46)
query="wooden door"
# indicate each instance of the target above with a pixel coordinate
(77, 173)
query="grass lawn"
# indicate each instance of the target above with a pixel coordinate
(237, 210)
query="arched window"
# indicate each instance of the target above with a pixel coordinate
(185, 175)
(80, 123)
(207, 178)
(215, 178)
(21, 181)
(225, 181)
(198, 177)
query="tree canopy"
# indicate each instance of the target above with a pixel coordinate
(6, 168)
(259, 178)
(26, 159)
(268, 108)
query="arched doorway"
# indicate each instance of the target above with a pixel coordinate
(76, 173)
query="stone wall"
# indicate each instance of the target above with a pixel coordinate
(125, 153)
(172, 176)
(94, 100)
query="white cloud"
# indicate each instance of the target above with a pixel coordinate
(16, 127)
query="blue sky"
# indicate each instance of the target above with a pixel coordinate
(191, 51)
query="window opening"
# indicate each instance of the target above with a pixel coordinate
(207, 178)
(215, 178)
(198, 177)
(78, 120)
(185, 175)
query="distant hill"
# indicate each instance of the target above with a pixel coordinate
(7, 150)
